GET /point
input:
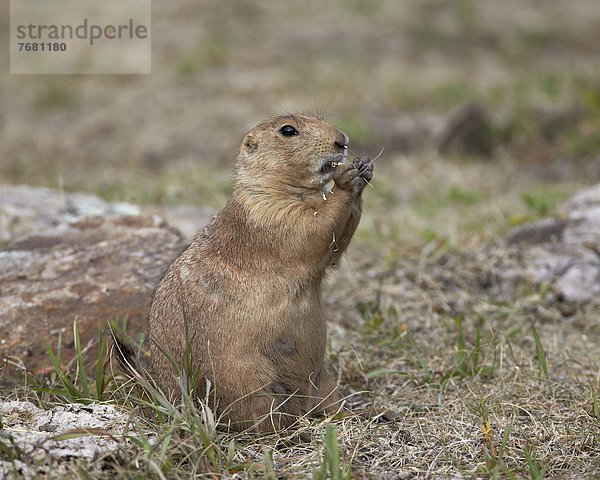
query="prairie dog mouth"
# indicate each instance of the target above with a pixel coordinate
(329, 164)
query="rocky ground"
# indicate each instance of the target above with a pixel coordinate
(50, 437)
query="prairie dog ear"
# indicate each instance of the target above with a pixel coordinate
(250, 144)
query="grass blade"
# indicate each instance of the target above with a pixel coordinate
(540, 352)
(99, 381)
(80, 363)
(70, 387)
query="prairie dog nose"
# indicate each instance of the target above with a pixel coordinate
(342, 140)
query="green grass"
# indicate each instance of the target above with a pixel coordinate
(536, 470)
(330, 462)
(78, 389)
(494, 464)
(540, 352)
(542, 202)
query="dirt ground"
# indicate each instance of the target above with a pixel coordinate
(484, 381)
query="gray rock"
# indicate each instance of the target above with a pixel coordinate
(544, 231)
(39, 211)
(73, 256)
(565, 252)
(16, 469)
(37, 434)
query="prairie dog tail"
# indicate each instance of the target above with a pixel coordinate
(126, 356)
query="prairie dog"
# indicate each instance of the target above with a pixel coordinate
(245, 296)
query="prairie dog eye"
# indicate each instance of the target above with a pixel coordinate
(288, 131)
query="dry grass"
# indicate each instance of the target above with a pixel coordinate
(459, 365)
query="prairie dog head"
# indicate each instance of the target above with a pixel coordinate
(298, 151)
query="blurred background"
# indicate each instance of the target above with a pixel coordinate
(488, 112)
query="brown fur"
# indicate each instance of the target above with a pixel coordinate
(246, 294)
